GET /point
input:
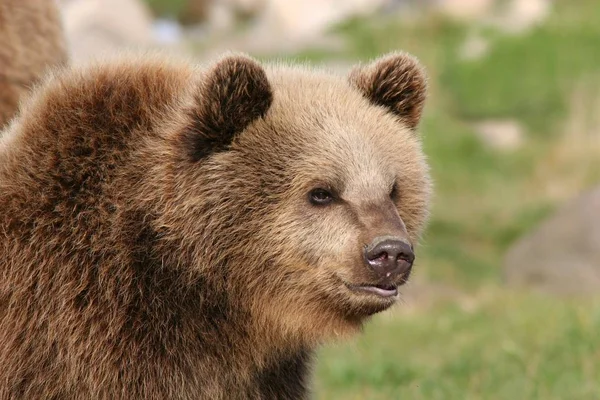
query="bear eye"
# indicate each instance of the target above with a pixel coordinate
(394, 192)
(320, 197)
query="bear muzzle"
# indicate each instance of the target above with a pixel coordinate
(390, 260)
(389, 257)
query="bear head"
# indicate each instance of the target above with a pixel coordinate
(302, 193)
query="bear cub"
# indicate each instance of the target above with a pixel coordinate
(174, 232)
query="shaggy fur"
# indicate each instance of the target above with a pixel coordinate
(398, 83)
(31, 42)
(156, 235)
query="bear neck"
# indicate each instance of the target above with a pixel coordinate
(170, 305)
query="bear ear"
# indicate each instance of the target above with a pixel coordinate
(395, 81)
(233, 94)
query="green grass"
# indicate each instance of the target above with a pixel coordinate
(509, 347)
(486, 199)
(529, 77)
(168, 8)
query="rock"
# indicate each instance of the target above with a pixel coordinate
(562, 256)
(500, 134)
(96, 27)
(475, 47)
(167, 31)
(282, 26)
(509, 16)
(466, 9)
(525, 14)
(307, 19)
(221, 16)
(518, 16)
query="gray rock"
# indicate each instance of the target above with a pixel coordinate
(95, 28)
(466, 9)
(522, 15)
(562, 256)
(474, 47)
(310, 19)
(500, 134)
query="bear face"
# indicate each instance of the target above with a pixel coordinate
(320, 171)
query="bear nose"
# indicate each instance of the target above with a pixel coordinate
(389, 257)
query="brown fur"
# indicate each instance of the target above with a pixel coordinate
(156, 238)
(31, 42)
(398, 83)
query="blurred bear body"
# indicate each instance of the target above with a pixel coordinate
(31, 42)
(157, 235)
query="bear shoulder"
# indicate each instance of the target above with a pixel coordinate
(79, 113)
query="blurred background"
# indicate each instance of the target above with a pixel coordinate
(505, 299)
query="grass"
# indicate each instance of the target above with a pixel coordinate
(510, 346)
(167, 8)
(535, 72)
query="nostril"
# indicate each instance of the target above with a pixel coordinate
(379, 257)
(403, 265)
(408, 257)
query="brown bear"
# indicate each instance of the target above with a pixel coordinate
(31, 42)
(174, 232)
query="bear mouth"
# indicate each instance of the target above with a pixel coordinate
(381, 290)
